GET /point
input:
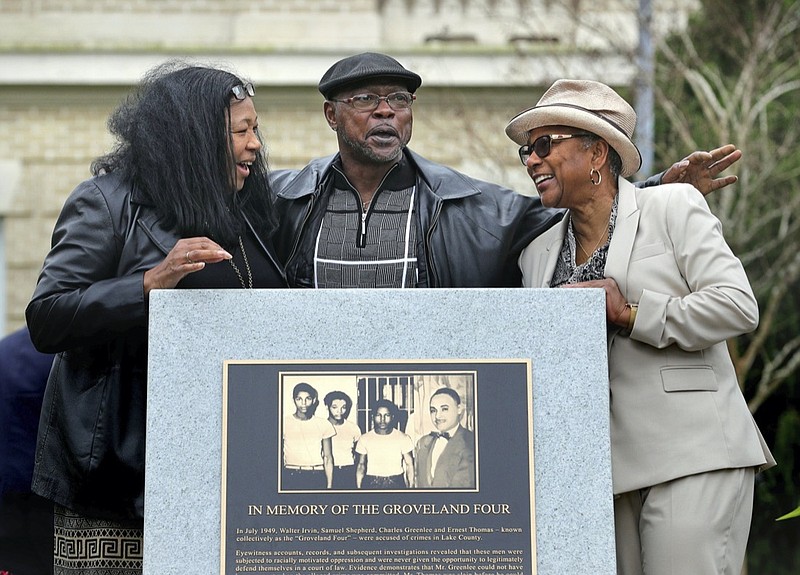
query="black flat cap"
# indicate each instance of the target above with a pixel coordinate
(362, 67)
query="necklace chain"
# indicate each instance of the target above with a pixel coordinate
(597, 245)
(246, 265)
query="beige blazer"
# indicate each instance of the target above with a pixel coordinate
(676, 407)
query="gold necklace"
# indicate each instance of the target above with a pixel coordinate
(246, 265)
(597, 245)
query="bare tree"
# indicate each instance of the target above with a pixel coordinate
(755, 108)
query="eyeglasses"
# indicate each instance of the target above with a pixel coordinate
(241, 91)
(369, 102)
(541, 145)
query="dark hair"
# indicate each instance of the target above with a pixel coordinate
(614, 160)
(174, 146)
(334, 395)
(448, 391)
(309, 389)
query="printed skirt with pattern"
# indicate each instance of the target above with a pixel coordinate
(86, 546)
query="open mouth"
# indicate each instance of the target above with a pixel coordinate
(244, 168)
(383, 133)
(541, 179)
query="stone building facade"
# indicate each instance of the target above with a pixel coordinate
(65, 64)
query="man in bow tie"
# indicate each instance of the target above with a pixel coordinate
(446, 457)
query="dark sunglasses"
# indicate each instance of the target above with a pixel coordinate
(541, 145)
(241, 91)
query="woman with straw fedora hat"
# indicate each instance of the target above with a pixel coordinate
(684, 445)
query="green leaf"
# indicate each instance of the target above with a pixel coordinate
(795, 513)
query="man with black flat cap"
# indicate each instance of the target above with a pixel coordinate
(379, 215)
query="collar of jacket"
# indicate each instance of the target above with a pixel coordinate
(434, 175)
(166, 238)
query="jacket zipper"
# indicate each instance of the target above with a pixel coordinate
(362, 235)
(361, 240)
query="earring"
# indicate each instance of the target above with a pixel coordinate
(599, 177)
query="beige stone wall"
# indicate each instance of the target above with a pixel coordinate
(266, 25)
(50, 136)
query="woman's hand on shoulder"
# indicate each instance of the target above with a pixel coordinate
(188, 256)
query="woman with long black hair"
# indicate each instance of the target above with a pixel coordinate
(181, 202)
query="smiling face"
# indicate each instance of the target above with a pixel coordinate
(562, 175)
(445, 412)
(244, 139)
(370, 137)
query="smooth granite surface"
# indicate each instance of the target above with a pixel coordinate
(561, 331)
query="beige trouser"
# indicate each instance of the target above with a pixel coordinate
(695, 525)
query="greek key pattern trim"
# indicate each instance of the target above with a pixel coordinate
(85, 546)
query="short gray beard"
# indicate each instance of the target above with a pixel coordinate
(368, 152)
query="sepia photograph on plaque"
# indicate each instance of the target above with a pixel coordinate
(378, 467)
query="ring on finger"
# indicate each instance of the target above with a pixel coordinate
(188, 259)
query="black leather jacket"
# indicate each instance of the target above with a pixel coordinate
(471, 231)
(89, 308)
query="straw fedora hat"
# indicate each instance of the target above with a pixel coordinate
(590, 106)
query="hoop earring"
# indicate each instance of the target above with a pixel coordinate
(599, 177)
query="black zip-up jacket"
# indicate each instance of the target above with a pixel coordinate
(471, 231)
